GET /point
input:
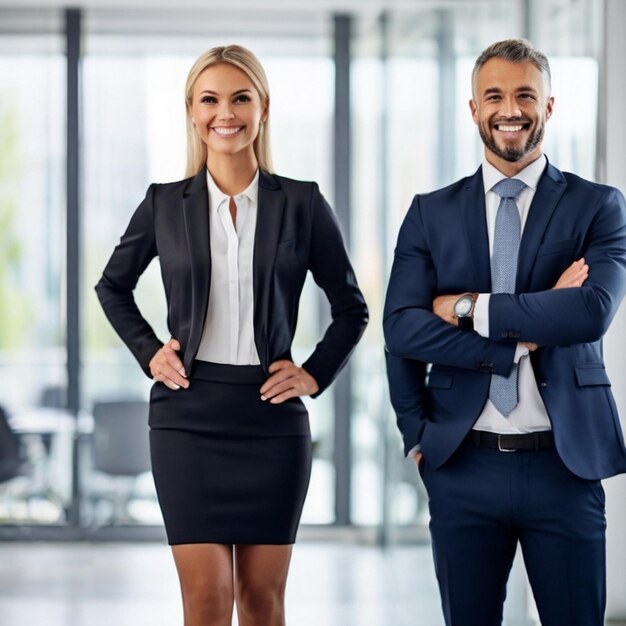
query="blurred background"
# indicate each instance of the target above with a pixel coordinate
(368, 98)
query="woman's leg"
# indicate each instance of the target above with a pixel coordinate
(260, 581)
(205, 571)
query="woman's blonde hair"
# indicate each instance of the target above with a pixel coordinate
(244, 60)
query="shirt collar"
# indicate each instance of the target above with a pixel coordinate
(217, 196)
(529, 175)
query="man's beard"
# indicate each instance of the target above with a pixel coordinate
(513, 154)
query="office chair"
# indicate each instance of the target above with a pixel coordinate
(53, 396)
(120, 450)
(10, 460)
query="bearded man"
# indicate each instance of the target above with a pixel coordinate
(502, 287)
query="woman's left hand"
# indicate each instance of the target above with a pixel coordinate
(287, 380)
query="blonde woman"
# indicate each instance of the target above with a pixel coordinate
(230, 439)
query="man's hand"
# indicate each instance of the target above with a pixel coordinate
(574, 276)
(530, 345)
(287, 380)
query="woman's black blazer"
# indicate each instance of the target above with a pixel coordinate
(296, 231)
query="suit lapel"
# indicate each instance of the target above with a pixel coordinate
(196, 216)
(269, 218)
(551, 187)
(475, 228)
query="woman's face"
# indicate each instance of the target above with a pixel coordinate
(226, 110)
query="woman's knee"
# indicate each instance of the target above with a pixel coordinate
(260, 600)
(210, 599)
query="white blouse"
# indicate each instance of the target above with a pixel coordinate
(228, 335)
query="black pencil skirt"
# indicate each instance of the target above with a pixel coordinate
(228, 467)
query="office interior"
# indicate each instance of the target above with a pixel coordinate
(370, 99)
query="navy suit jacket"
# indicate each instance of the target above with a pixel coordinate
(296, 231)
(443, 248)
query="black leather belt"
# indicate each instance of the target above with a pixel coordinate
(512, 443)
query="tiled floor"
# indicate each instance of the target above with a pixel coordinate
(136, 585)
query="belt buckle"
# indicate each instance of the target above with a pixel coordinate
(501, 449)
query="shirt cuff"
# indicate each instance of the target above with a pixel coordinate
(481, 314)
(413, 451)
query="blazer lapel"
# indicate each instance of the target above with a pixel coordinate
(551, 187)
(196, 216)
(477, 237)
(269, 218)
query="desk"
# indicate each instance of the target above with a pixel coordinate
(47, 437)
(48, 422)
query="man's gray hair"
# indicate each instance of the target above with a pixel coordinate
(514, 51)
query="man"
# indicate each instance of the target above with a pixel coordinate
(505, 282)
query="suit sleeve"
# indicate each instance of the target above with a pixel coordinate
(129, 260)
(562, 317)
(332, 271)
(407, 392)
(412, 330)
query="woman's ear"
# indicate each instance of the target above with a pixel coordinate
(266, 110)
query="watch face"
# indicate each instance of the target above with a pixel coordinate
(463, 306)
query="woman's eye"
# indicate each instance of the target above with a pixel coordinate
(242, 98)
(208, 100)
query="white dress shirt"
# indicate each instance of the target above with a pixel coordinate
(530, 414)
(228, 334)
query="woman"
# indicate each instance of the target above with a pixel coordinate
(230, 440)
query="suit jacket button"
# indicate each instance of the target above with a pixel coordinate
(543, 384)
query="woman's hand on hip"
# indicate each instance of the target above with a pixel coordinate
(287, 380)
(167, 368)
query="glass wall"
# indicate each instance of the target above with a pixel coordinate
(411, 132)
(36, 489)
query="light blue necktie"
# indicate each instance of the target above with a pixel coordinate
(503, 389)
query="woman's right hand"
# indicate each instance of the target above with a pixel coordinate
(167, 368)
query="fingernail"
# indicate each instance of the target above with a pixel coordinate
(176, 387)
(263, 398)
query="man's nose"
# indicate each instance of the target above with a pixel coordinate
(510, 108)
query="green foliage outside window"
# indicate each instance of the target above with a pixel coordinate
(15, 310)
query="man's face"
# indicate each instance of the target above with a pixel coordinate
(511, 107)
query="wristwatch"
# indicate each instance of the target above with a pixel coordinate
(464, 310)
